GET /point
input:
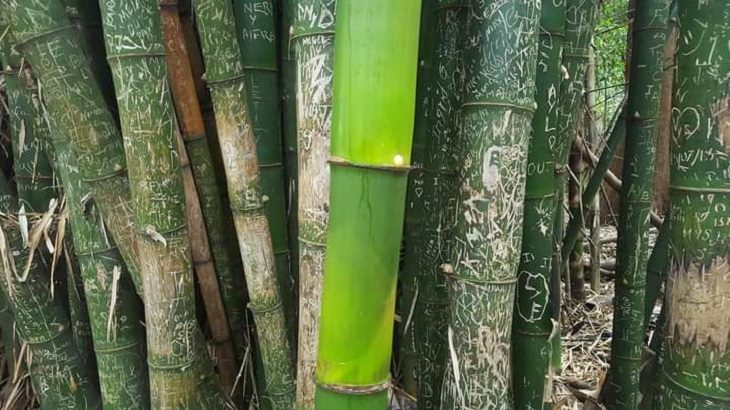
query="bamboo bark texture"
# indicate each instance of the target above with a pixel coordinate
(696, 366)
(225, 76)
(181, 372)
(647, 64)
(500, 58)
(376, 45)
(532, 324)
(312, 39)
(257, 38)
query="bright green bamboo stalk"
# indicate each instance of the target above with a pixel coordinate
(647, 64)
(532, 324)
(117, 330)
(59, 375)
(431, 213)
(499, 101)
(312, 39)
(180, 370)
(225, 76)
(257, 38)
(696, 367)
(581, 18)
(79, 114)
(376, 45)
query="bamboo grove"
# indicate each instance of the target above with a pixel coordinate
(348, 204)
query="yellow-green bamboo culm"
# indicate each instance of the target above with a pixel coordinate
(372, 128)
(225, 76)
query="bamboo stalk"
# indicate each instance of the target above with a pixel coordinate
(647, 64)
(593, 206)
(575, 281)
(376, 42)
(59, 375)
(181, 373)
(696, 361)
(497, 110)
(192, 126)
(79, 114)
(116, 314)
(256, 35)
(532, 324)
(225, 77)
(312, 40)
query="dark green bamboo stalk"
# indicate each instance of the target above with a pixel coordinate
(576, 275)
(115, 312)
(407, 360)
(225, 77)
(79, 114)
(613, 140)
(59, 375)
(532, 324)
(376, 42)
(647, 64)
(287, 80)
(257, 38)
(181, 373)
(430, 214)
(499, 102)
(696, 367)
(312, 39)
(581, 18)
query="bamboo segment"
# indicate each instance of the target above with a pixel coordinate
(59, 374)
(431, 190)
(576, 276)
(500, 67)
(256, 34)
(185, 97)
(372, 127)
(647, 64)
(313, 43)
(225, 78)
(205, 273)
(115, 312)
(287, 79)
(181, 373)
(696, 367)
(532, 324)
(78, 112)
(581, 18)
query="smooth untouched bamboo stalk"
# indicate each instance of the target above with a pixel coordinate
(532, 324)
(181, 372)
(225, 77)
(647, 64)
(312, 40)
(499, 101)
(593, 205)
(256, 34)
(372, 129)
(696, 367)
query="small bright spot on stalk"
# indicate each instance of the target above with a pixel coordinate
(398, 160)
